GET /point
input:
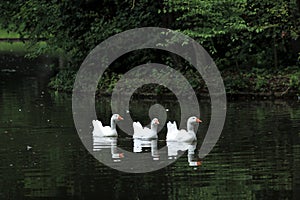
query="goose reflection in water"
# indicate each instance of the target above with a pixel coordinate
(143, 145)
(105, 143)
(175, 147)
(148, 145)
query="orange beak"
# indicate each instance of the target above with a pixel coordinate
(198, 120)
(120, 118)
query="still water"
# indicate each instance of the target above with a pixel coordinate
(42, 157)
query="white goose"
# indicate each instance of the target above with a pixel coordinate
(106, 131)
(182, 135)
(144, 132)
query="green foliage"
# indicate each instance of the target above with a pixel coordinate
(108, 82)
(235, 82)
(76, 26)
(63, 81)
(295, 81)
(240, 33)
(262, 81)
(242, 36)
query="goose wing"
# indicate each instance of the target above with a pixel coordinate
(172, 131)
(137, 128)
(98, 128)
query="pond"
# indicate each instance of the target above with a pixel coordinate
(42, 156)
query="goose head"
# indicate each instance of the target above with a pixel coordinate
(191, 123)
(194, 120)
(116, 117)
(113, 121)
(154, 123)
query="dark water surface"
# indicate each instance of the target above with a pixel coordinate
(42, 157)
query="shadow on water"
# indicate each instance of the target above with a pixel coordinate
(42, 157)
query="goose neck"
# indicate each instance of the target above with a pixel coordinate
(154, 127)
(112, 124)
(190, 127)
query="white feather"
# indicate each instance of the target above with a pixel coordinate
(143, 132)
(97, 128)
(182, 135)
(102, 131)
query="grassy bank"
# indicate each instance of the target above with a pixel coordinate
(12, 43)
(6, 34)
(15, 47)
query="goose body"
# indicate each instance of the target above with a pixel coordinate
(182, 135)
(106, 131)
(144, 132)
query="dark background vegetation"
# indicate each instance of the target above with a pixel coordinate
(255, 44)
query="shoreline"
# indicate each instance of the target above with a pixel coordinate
(229, 96)
(251, 84)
